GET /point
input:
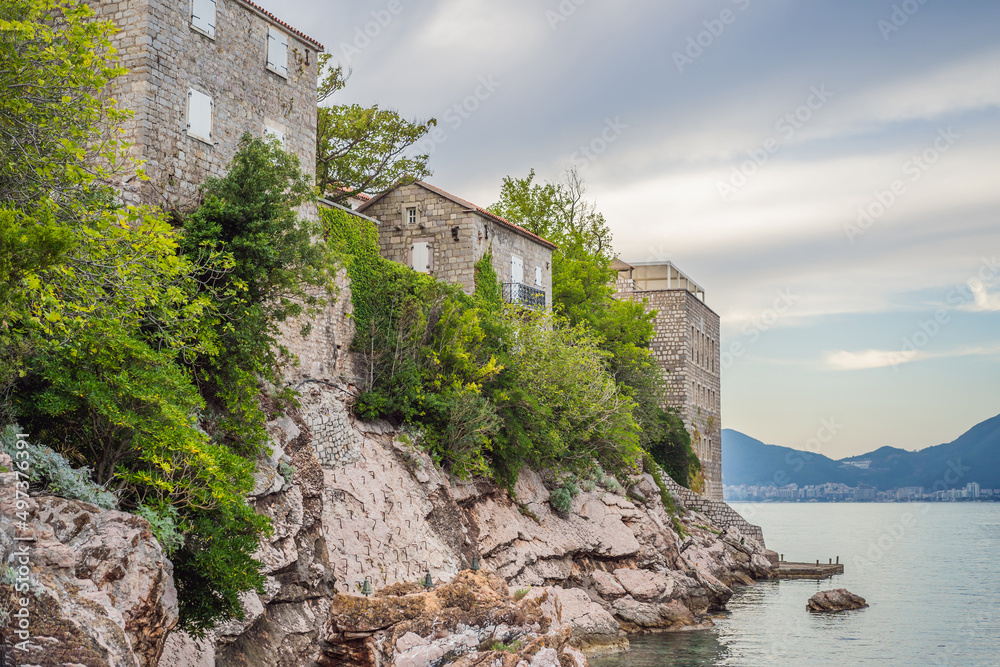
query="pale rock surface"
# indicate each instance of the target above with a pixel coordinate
(102, 590)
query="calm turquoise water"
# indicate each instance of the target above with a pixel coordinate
(930, 571)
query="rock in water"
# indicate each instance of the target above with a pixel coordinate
(839, 599)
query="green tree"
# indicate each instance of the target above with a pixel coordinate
(269, 265)
(363, 149)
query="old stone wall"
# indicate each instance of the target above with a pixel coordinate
(507, 243)
(686, 346)
(449, 228)
(459, 236)
(166, 57)
(722, 515)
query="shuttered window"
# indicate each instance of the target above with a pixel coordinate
(271, 133)
(421, 261)
(203, 16)
(516, 269)
(199, 123)
(277, 52)
(538, 276)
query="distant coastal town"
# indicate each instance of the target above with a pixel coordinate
(841, 493)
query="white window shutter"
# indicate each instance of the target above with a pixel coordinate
(538, 276)
(277, 51)
(203, 16)
(421, 257)
(199, 115)
(270, 132)
(516, 269)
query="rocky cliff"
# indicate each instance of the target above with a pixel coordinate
(353, 501)
(364, 504)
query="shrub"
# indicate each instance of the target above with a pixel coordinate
(50, 471)
(164, 521)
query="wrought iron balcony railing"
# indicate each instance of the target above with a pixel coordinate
(523, 294)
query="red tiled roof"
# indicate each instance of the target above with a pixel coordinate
(472, 207)
(297, 32)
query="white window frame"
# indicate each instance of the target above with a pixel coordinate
(204, 24)
(404, 215)
(411, 215)
(277, 52)
(197, 126)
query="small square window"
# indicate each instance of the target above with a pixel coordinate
(203, 16)
(277, 52)
(199, 123)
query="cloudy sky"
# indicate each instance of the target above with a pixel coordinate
(826, 169)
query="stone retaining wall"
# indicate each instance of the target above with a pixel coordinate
(721, 514)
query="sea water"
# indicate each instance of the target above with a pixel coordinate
(929, 571)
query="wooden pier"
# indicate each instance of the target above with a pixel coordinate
(817, 570)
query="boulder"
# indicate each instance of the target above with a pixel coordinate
(594, 630)
(101, 590)
(839, 599)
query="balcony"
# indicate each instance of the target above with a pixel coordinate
(524, 294)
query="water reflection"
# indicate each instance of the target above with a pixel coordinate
(698, 647)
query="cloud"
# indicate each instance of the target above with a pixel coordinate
(855, 361)
(984, 301)
(843, 360)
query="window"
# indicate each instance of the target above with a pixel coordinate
(271, 133)
(516, 269)
(411, 215)
(199, 123)
(203, 16)
(420, 256)
(277, 52)
(538, 276)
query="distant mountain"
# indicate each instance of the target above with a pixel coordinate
(973, 457)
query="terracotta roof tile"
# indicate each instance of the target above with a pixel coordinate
(294, 31)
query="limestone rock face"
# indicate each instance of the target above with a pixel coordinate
(101, 589)
(839, 599)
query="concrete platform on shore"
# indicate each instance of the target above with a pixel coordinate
(786, 570)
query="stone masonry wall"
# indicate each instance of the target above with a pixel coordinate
(458, 236)
(686, 346)
(166, 56)
(505, 243)
(721, 514)
(452, 259)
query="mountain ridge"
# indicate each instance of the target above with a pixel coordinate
(972, 457)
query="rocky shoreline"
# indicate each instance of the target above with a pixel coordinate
(362, 504)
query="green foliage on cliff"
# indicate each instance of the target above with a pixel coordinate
(583, 293)
(124, 337)
(258, 265)
(489, 388)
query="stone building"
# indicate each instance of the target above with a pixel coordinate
(443, 235)
(686, 346)
(201, 73)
